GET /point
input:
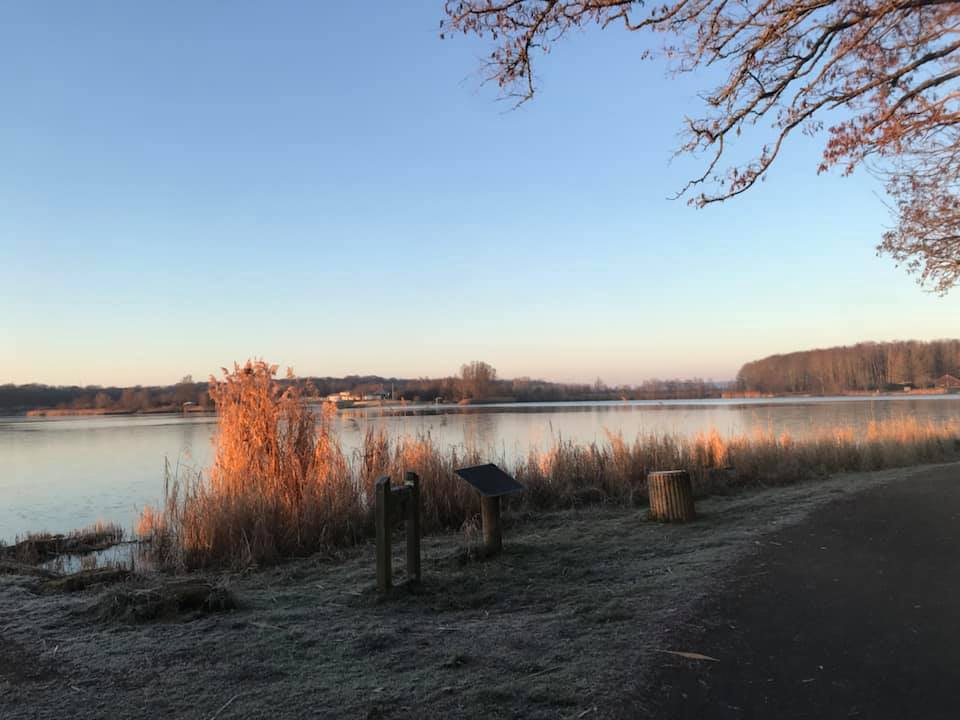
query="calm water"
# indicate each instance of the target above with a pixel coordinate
(62, 473)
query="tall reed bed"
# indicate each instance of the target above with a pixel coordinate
(281, 486)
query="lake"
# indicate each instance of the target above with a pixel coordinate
(62, 473)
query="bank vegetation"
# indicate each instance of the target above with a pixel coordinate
(281, 485)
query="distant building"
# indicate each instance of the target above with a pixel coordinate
(948, 381)
(342, 396)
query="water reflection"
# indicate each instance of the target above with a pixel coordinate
(61, 473)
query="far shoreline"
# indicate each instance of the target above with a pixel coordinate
(493, 403)
(100, 412)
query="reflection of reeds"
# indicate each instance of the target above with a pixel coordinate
(281, 485)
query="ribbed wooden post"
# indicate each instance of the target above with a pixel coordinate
(671, 496)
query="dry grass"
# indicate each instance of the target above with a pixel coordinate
(281, 486)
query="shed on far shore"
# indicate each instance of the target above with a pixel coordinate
(948, 381)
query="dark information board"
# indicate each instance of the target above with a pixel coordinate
(489, 480)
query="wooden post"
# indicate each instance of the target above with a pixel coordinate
(395, 505)
(412, 521)
(671, 496)
(384, 527)
(490, 519)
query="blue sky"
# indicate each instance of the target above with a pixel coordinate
(331, 187)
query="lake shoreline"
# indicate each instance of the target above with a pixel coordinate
(68, 472)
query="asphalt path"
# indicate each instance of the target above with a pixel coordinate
(855, 613)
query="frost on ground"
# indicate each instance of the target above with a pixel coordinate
(568, 622)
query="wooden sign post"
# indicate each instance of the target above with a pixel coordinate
(393, 506)
(492, 483)
(490, 521)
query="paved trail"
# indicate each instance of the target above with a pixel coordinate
(854, 613)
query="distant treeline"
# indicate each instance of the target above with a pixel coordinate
(476, 382)
(863, 367)
(522, 389)
(21, 398)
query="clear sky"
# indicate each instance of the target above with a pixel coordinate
(330, 186)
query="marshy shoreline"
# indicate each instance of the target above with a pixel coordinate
(573, 618)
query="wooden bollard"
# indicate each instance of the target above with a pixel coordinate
(393, 506)
(671, 496)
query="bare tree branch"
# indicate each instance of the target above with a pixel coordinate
(892, 66)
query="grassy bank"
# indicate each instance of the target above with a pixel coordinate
(281, 485)
(572, 621)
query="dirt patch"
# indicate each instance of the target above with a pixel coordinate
(568, 622)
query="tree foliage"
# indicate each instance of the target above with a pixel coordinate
(890, 67)
(20, 398)
(861, 367)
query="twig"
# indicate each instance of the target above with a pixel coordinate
(268, 626)
(224, 707)
(690, 655)
(544, 671)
